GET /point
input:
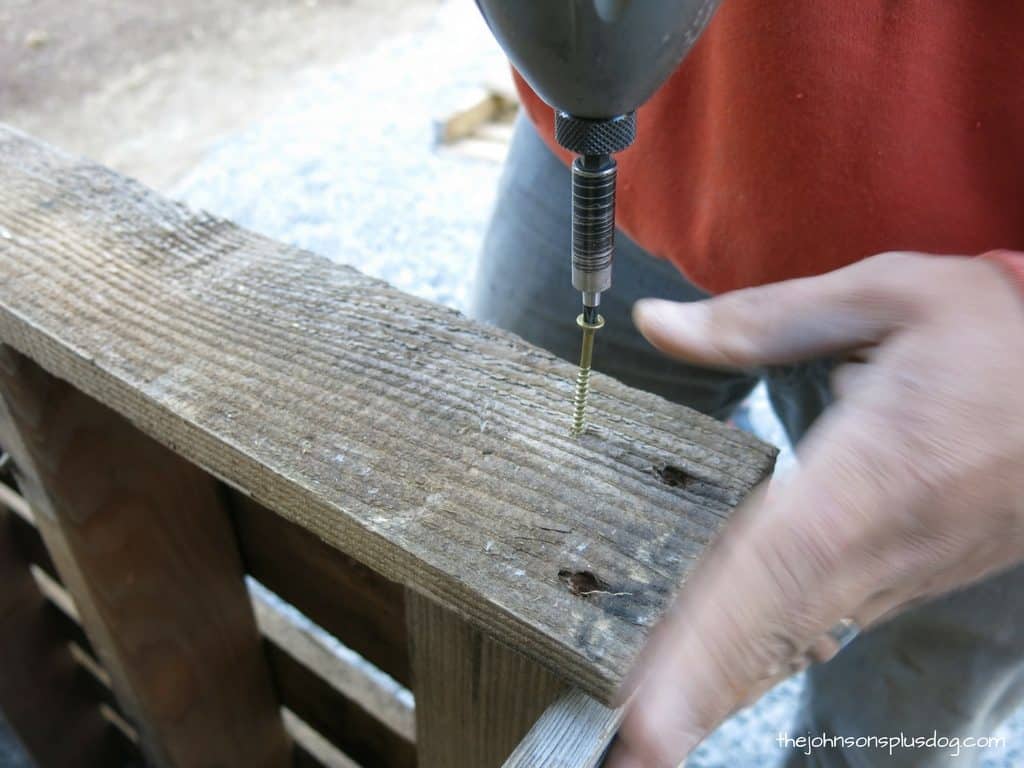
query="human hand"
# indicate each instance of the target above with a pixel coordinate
(909, 486)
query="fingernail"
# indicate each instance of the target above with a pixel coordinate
(650, 310)
(654, 315)
(658, 317)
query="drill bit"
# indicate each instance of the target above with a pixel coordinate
(590, 322)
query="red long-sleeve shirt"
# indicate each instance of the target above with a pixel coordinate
(799, 137)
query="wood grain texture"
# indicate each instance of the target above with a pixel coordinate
(362, 609)
(425, 445)
(146, 551)
(574, 732)
(475, 698)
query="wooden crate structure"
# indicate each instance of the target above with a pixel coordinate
(262, 510)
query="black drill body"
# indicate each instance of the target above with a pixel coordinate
(595, 62)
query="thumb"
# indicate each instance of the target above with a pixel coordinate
(784, 322)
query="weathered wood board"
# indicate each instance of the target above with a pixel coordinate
(352, 602)
(345, 698)
(144, 547)
(421, 443)
(574, 732)
(475, 699)
(42, 693)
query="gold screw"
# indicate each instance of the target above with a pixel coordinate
(579, 400)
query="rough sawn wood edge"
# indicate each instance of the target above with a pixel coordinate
(574, 732)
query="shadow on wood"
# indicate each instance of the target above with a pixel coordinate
(146, 550)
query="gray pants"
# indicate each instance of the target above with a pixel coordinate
(954, 666)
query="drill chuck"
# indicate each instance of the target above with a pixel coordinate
(593, 225)
(587, 136)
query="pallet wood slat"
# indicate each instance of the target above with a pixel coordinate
(313, 698)
(50, 702)
(146, 552)
(475, 698)
(345, 724)
(54, 591)
(335, 704)
(395, 430)
(11, 499)
(349, 677)
(70, 629)
(22, 530)
(574, 732)
(362, 609)
(89, 680)
(311, 749)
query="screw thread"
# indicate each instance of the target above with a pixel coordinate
(579, 398)
(579, 402)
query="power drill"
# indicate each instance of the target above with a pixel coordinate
(595, 62)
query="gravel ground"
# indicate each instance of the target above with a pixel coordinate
(347, 168)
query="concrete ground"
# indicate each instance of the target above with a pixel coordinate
(146, 87)
(313, 123)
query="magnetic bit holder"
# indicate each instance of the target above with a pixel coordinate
(579, 400)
